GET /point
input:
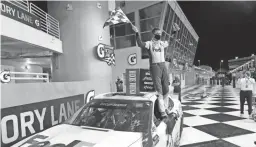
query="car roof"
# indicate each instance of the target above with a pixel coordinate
(144, 96)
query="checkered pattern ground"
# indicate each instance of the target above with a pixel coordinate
(215, 121)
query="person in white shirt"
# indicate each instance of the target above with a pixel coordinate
(158, 67)
(246, 89)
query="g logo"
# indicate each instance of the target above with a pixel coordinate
(5, 76)
(37, 22)
(132, 59)
(100, 51)
(89, 96)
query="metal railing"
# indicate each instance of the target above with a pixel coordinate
(23, 4)
(29, 76)
(49, 24)
(241, 66)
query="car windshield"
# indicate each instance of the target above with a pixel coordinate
(119, 115)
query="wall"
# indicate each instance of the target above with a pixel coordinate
(122, 62)
(43, 104)
(80, 30)
(14, 29)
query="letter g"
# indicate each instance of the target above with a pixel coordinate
(5, 76)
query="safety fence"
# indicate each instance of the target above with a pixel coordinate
(30, 76)
(10, 76)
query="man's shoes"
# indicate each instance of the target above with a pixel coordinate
(241, 115)
(255, 142)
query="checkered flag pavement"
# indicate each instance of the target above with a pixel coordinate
(110, 60)
(116, 16)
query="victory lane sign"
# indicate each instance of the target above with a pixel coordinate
(22, 121)
(18, 14)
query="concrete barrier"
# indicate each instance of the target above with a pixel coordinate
(30, 108)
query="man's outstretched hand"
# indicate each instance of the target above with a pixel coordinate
(176, 27)
(135, 29)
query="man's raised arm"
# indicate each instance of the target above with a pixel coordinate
(173, 38)
(138, 38)
(174, 34)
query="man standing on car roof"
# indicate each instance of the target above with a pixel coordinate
(158, 68)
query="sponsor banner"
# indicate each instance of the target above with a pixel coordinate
(106, 53)
(146, 82)
(138, 80)
(22, 121)
(18, 14)
(132, 81)
(132, 59)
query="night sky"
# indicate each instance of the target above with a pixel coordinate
(226, 29)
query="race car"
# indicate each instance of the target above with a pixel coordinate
(115, 120)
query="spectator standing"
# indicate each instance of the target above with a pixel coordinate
(246, 85)
(177, 87)
(119, 85)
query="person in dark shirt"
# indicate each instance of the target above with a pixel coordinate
(158, 68)
(177, 86)
(119, 85)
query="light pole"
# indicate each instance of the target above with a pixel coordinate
(220, 65)
(221, 61)
(199, 62)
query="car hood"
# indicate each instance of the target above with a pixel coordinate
(76, 136)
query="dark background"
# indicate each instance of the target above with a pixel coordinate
(226, 29)
(41, 4)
